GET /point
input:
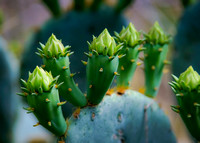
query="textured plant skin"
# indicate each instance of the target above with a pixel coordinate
(130, 39)
(55, 59)
(9, 73)
(43, 99)
(130, 118)
(101, 67)
(186, 89)
(155, 53)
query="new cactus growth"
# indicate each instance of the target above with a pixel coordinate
(130, 39)
(156, 44)
(98, 118)
(186, 89)
(101, 66)
(43, 99)
(56, 59)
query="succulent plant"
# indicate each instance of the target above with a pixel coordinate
(186, 89)
(130, 39)
(98, 118)
(156, 47)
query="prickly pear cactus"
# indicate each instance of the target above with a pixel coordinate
(126, 116)
(8, 100)
(130, 118)
(186, 89)
(186, 42)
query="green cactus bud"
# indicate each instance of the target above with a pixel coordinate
(129, 36)
(189, 79)
(156, 35)
(104, 44)
(53, 48)
(39, 79)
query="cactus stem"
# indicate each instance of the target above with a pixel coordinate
(36, 124)
(88, 55)
(132, 60)
(166, 62)
(116, 73)
(69, 54)
(49, 123)
(64, 68)
(153, 68)
(69, 89)
(61, 103)
(101, 70)
(189, 116)
(84, 62)
(122, 68)
(121, 56)
(175, 108)
(72, 74)
(90, 86)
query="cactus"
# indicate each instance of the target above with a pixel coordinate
(130, 39)
(186, 42)
(98, 118)
(186, 89)
(156, 44)
(8, 74)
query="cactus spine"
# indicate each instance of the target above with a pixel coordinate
(186, 89)
(156, 44)
(130, 39)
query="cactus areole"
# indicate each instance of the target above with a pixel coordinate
(94, 112)
(186, 89)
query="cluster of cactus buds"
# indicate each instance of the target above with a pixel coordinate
(107, 57)
(186, 89)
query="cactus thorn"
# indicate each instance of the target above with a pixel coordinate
(69, 89)
(21, 94)
(115, 73)
(141, 49)
(155, 88)
(196, 104)
(64, 67)
(40, 55)
(189, 115)
(90, 86)
(61, 103)
(72, 74)
(43, 66)
(139, 63)
(132, 60)
(153, 68)
(101, 70)
(111, 58)
(23, 82)
(160, 50)
(179, 94)
(95, 52)
(84, 62)
(47, 100)
(69, 54)
(36, 124)
(122, 68)
(88, 55)
(175, 108)
(49, 123)
(121, 56)
(166, 62)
